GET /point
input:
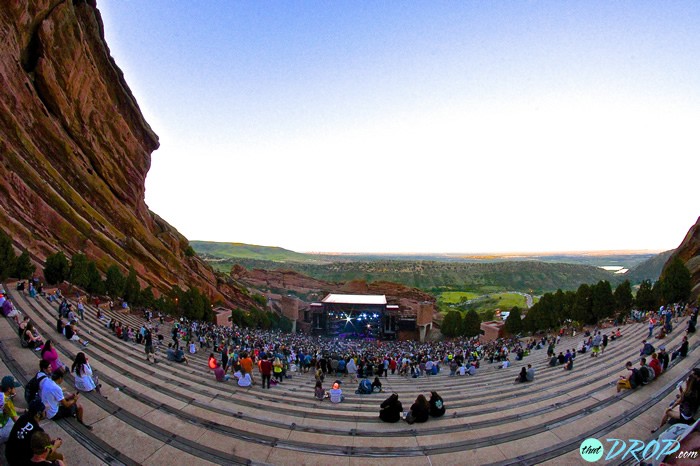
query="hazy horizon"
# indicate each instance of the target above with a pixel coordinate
(457, 253)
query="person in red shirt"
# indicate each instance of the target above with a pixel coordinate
(213, 363)
(655, 364)
(265, 371)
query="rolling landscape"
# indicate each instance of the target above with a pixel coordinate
(456, 281)
(75, 149)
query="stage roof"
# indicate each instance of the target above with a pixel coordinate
(354, 299)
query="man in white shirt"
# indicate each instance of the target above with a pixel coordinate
(57, 405)
(351, 367)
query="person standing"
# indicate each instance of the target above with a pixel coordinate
(81, 308)
(148, 345)
(265, 371)
(247, 364)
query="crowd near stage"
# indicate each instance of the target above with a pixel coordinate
(361, 317)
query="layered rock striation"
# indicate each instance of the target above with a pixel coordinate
(75, 150)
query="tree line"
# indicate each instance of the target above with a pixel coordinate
(84, 273)
(589, 304)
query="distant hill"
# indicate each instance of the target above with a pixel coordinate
(212, 250)
(649, 269)
(529, 276)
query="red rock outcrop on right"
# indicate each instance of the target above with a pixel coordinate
(689, 252)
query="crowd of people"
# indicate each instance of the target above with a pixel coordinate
(235, 352)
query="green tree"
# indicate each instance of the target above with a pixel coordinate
(23, 266)
(189, 252)
(147, 298)
(582, 307)
(623, 297)
(471, 324)
(8, 257)
(132, 288)
(452, 324)
(56, 269)
(237, 317)
(602, 300)
(260, 300)
(676, 282)
(95, 284)
(514, 323)
(645, 299)
(114, 281)
(79, 275)
(285, 324)
(547, 312)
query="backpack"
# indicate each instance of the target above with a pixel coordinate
(635, 378)
(647, 374)
(365, 387)
(31, 390)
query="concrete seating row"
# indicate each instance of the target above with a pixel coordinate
(269, 427)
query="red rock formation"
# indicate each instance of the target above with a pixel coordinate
(277, 283)
(75, 150)
(689, 251)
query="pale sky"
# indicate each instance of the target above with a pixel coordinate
(419, 126)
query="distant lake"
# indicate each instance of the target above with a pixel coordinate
(614, 268)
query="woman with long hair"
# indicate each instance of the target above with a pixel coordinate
(420, 410)
(687, 403)
(82, 372)
(391, 409)
(30, 336)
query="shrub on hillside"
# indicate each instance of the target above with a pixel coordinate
(7, 257)
(24, 268)
(114, 281)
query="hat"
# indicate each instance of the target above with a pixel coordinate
(662, 348)
(36, 406)
(8, 382)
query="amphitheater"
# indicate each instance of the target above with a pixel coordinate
(170, 414)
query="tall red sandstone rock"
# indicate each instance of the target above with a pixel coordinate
(689, 252)
(75, 150)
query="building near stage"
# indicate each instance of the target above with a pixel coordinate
(361, 317)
